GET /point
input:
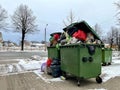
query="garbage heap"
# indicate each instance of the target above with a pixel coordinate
(75, 33)
(79, 32)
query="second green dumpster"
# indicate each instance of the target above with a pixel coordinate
(106, 56)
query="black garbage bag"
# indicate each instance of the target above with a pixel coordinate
(91, 49)
(71, 30)
(56, 70)
(55, 61)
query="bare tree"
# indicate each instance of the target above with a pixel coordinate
(3, 16)
(117, 37)
(24, 22)
(98, 29)
(118, 19)
(70, 19)
(118, 12)
(111, 37)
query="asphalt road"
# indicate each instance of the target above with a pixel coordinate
(20, 55)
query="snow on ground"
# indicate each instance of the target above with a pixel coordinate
(35, 62)
(37, 72)
(30, 65)
(111, 71)
(22, 65)
(36, 67)
(108, 72)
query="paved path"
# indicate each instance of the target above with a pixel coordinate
(30, 81)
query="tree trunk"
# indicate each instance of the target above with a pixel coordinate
(118, 47)
(111, 43)
(119, 43)
(22, 42)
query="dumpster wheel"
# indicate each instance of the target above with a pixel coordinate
(109, 63)
(104, 64)
(78, 83)
(98, 79)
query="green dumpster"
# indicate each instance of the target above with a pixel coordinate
(82, 60)
(53, 52)
(106, 56)
(76, 60)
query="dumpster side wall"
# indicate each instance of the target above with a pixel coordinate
(72, 61)
(90, 69)
(53, 52)
(106, 56)
(69, 60)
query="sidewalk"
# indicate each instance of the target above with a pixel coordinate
(30, 81)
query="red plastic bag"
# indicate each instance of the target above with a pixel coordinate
(80, 34)
(56, 36)
(49, 61)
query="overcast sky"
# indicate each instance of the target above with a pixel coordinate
(53, 12)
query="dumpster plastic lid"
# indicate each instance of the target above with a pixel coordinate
(83, 25)
(55, 33)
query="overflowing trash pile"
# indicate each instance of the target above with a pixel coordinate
(75, 33)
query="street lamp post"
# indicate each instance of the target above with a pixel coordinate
(45, 37)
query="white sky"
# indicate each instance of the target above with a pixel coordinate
(53, 12)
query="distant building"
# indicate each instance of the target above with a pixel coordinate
(9, 44)
(27, 43)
